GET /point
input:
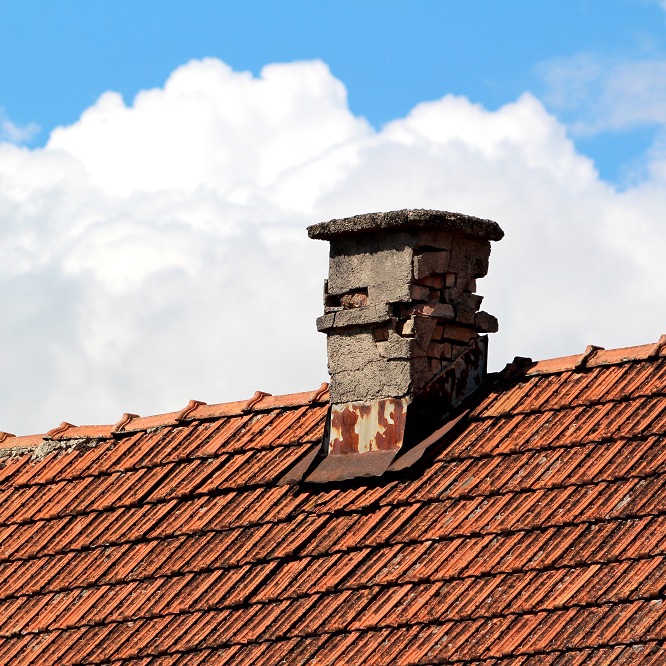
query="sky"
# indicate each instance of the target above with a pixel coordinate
(159, 162)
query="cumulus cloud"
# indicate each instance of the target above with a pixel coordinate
(156, 251)
(13, 133)
(600, 94)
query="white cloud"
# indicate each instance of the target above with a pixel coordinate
(15, 133)
(156, 252)
(601, 94)
(214, 128)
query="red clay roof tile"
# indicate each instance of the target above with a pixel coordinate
(533, 535)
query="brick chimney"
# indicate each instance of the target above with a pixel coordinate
(404, 330)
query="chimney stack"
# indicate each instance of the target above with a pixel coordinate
(403, 326)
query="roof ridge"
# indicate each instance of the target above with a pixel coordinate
(195, 410)
(595, 356)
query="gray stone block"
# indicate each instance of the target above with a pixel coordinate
(430, 263)
(385, 379)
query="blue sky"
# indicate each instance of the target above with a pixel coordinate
(159, 162)
(57, 57)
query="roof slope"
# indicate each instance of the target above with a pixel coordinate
(535, 535)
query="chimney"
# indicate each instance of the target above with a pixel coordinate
(404, 331)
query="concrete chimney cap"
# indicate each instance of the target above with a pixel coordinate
(408, 218)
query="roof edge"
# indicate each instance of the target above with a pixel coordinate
(594, 357)
(131, 423)
(196, 410)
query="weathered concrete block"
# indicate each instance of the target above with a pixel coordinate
(365, 316)
(325, 322)
(399, 347)
(376, 313)
(354, 265)
(470, 256)
(430, 263)
(383, 379)
(351, 350)
(389, 293)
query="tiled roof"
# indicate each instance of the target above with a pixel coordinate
(533, 534)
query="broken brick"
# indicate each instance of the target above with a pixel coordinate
(458, 333)
(419, 292)
(486, 323)
(435, 349)
(434, 281)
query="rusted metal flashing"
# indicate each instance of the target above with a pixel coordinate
(352, 466)
(413, 455)
(361, 440)
(344, 467)
(369, 439)
(300, 470)
(362, 427)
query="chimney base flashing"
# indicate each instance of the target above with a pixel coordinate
(351, 466)
(317, 469)
(364, 427)
(375, 437)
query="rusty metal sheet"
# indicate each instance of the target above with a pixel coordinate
(361, 427)
(299, 470)
(351, 466)
(417, 452)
